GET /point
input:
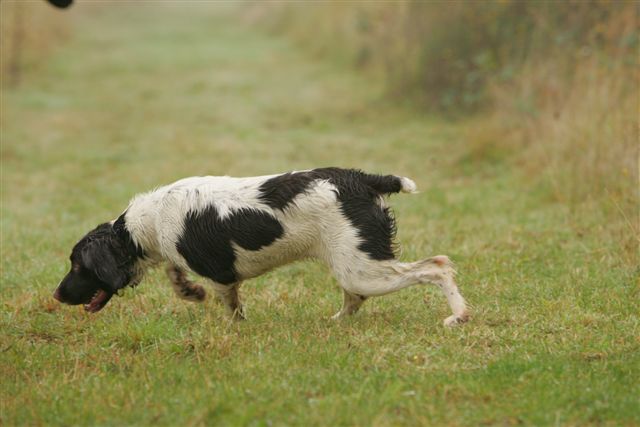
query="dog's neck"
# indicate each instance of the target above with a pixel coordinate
(138, 223)
(124, 236)
(142, 258)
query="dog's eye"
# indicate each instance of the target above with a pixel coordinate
(76, 268)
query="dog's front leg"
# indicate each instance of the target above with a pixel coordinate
(183, 287)
(228, 295)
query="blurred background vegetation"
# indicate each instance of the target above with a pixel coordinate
(553, 85)
(550, 88)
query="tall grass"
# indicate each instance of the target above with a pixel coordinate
(570, 113)
(444, 54)
(553, 85)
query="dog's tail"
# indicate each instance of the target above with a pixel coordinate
(387, 184)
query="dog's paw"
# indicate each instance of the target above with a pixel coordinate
(194, 293)
(454, 320)
(238, 314)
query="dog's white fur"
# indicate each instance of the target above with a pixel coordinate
(314, 227)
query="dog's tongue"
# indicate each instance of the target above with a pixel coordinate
(98, 301)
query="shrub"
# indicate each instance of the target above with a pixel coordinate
(555, 83)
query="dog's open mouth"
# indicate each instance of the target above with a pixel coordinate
(98, 301)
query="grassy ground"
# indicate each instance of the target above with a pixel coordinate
(143, 96)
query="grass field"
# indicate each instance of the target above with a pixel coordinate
(141, 96)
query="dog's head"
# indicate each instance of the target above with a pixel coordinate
(102, 262)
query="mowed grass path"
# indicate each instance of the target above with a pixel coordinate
(145, 95)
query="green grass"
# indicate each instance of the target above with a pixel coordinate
(142, 96)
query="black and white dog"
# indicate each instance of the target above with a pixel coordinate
(231, 229)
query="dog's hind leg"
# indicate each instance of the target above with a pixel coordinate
(350, 305)
(439, 271)
(375, 278)
(228, 295)
(183, 287)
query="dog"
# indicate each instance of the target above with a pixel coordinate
(228, 230)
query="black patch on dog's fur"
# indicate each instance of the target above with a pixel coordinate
(206, 241)
(358, 194)
(382, 184)
(279, 192)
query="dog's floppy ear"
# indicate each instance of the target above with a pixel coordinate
(99, 256)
